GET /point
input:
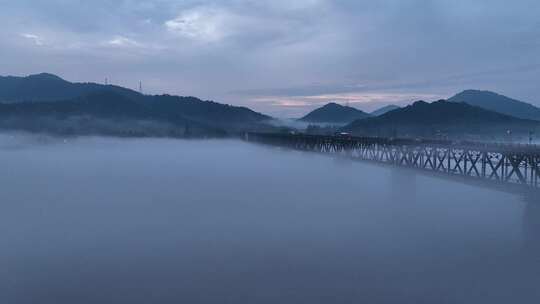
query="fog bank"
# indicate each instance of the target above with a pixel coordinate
(105, 220)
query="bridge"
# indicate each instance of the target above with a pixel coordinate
(511, 167)
(502, 167)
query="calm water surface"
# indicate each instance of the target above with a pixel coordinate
(96, 220)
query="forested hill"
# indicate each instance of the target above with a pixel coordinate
(48, 87)
(424, 119)
(334, 113)
(498, 103)
(45, 102)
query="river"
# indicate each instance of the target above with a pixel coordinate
(104, 220)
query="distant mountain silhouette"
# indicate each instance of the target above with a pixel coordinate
(45, 102)
(384, 110)
(334, 113)
(207, 112)
(441, 118)
(103, 113)
(100, 104)
(498, 103)
(49, 87)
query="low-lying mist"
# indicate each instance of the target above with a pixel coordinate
(106, 220)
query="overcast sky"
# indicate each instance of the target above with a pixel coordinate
(281, 57)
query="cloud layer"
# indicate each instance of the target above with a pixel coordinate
(281, 57)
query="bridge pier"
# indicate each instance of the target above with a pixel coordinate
(531, 224)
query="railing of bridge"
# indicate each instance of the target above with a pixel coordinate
(502, 163)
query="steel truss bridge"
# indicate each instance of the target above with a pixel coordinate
(515, 168)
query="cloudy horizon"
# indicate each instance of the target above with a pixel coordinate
(281, 57)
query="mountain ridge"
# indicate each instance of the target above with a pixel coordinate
(334, 113)
(49, 87)
(109, 104)
(384, 110)
(440, 117)
(498, 103)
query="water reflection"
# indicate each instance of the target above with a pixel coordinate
(531, 224)
(403, 185)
